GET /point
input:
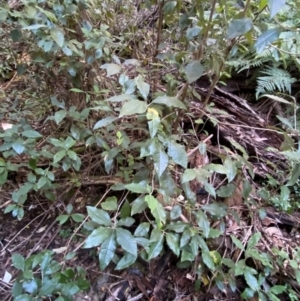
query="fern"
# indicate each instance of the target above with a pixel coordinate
(276, 80)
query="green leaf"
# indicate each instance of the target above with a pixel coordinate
(226, 191)
(41, 182)
(126, 261)
(62, 218)
(58, 36)
(59, 155)
(133, 107)
(126, 241)
(156, 208)
(266, 38)
(99, 216)
(185, 238)
(97, 237)
(203, 222)
(161, 161)
(172, 240)
(142, 229)
(59, 116)
(275, 6)
(251, 279)
(153, 126)
(237, 242)
(77, 217)
(295, 175)
(107, 251)
(67, 51)
(193, 71)
(72, 155)
(178, 154)
(16, 34)
(143, 87)
(127, 222)
(248, 293)
(69, 142)
(57, 142)
(295, 156)
(231, 169)
(207, 259)
(253, 240)
(193, 32)
(156, 247)
(175, 212)
(169, 102)
(111, 69)
(238, 27)
(188, 175)
(3, 177)
(120, 98)
(138, 205)
(18, 146)
(110, 204)
(216, 209)
(217, 168)
(18, 261)
(210, 189)
(137, 187)
(104, 122)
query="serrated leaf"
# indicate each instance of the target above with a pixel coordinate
(111, 69)
(97, 237)
(178, 154)
(226, 191)
(238, 27)
(107, 251)
(126, 241)
(275, 6)
(127, 222)
(58, 36)
(133, 107)
(156, 247)
(143, 87)
(161, 161)
(99, 216)
(193, 71)
(266, 38)
(156, 208)
(104, 122)
(169, 102)
(253, 240)
(172, 240)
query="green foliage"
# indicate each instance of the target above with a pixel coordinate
(115, 113)
(41, 276)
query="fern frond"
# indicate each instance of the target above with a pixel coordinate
(275, 80)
